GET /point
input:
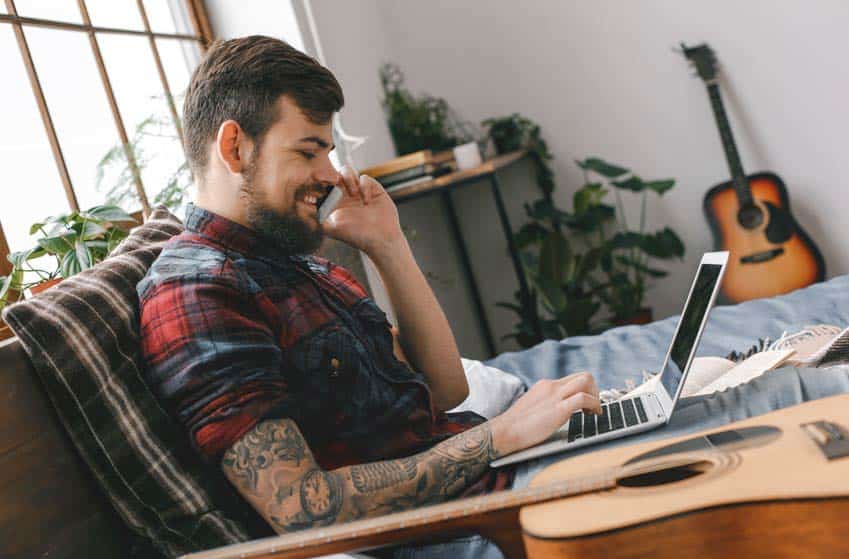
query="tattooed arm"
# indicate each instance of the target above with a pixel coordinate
(273, 468)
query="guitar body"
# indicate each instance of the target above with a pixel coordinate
(761, 488)
(773, 258)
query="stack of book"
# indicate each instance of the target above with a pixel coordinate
(411, 169)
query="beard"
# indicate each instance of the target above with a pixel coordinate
(289, 232)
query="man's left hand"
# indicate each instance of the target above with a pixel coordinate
(366, 217)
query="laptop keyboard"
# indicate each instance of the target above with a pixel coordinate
(614, 416)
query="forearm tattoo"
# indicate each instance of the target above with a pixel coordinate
(275, 470)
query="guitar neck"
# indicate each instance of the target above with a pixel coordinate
(451, 512)
(741, 185)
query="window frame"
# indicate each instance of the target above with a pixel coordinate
(202, 35)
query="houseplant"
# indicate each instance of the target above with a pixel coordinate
(76, 241)
(627, 255)
(418, 122)
(587, 260)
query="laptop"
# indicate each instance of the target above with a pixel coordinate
(649, 410)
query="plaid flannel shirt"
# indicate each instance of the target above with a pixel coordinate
(234, 333)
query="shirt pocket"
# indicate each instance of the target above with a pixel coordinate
(337, 385)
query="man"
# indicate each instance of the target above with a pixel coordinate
(277, 363)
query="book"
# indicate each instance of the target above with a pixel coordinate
(405, 175)
(411, 182)
(399, 164)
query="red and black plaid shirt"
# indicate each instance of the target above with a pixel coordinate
(234, 333)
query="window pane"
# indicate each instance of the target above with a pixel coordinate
(168, 16)
(179, 59)
(32, 189)
(138, 90)
(123, 14)
(80, 111)
(58, 10)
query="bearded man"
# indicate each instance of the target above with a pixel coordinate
(277, 363)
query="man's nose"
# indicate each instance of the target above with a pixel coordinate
(327, 175)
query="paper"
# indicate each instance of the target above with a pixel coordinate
(811, 343)
(753, 367)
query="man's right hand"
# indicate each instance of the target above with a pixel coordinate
(542, 410)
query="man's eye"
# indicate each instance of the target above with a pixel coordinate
(307, 154)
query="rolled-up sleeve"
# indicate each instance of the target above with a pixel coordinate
(211, 354)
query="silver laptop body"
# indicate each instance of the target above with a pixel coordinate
(636, 414)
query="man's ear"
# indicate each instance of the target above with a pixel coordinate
(232, 146)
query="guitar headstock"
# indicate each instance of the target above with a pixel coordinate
(703, 59)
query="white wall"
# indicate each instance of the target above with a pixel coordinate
(601, 79)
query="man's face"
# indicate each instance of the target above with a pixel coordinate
(288, 174)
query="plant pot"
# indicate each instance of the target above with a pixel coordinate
(36, 289)
(642, 316)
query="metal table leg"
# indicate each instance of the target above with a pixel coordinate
(511, 244)
(467, 270)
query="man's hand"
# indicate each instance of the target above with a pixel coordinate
(366, 217)
(542, 410)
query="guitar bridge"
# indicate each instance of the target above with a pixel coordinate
(831, 438)
(764, 256)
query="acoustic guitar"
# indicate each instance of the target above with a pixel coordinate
(750, 216)
(776, 485)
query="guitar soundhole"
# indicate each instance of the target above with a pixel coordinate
(750, 216)
(663, 476)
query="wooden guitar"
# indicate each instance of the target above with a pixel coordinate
(756, 488)
(750, 217)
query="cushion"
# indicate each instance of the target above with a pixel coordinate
(82, 338)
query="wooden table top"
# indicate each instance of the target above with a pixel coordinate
(446, 181)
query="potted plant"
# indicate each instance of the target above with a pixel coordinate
(418, 122)
(627, 254)
(76, 241)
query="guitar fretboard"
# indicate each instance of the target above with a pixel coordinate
(741, 186)
(413, 518)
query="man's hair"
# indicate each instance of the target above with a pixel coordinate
(242, 79)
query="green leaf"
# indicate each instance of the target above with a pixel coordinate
(632, 183)
(92, 229)
(663, 244)
(4, 289)
(660, 186)
(554, 258)
(70, 264)
(529, 234)
(83, 255)
(590, 220)
(553, 296)
(601, 167)
(58, 245)
(108, 213)
(35, 227)
(589, 195)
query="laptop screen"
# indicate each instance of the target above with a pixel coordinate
(684, 344)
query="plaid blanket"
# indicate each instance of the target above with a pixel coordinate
(82, 338)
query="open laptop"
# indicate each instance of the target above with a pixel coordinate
(646, 411)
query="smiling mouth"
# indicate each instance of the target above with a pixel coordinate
(313, 198)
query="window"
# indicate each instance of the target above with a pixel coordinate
(92, 94)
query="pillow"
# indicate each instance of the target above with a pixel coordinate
(82, 338)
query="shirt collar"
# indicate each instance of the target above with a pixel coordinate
(234, 236)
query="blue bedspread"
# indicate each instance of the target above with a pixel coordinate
(623, 352)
